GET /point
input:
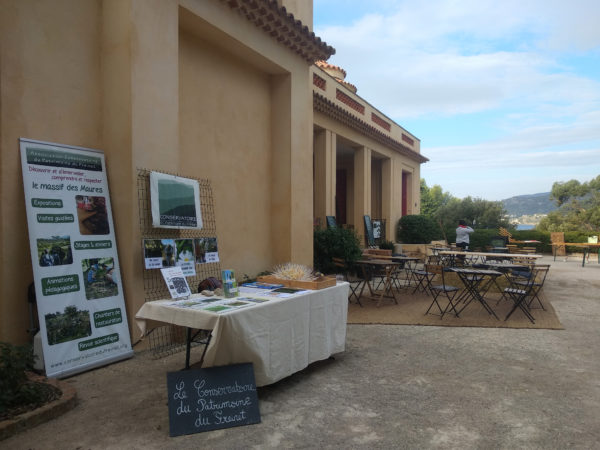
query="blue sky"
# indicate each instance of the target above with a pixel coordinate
(504, 96)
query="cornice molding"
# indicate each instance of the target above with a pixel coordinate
(330, 109)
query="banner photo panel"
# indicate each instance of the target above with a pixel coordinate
(79, 293)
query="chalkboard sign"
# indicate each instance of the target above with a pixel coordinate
(331, 222)
(369, 231)
(211, 399)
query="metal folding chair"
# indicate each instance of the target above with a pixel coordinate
(436, 290)
(519, 291)
(538, 283)
(422, 277)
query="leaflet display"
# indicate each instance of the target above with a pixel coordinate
(76, 271)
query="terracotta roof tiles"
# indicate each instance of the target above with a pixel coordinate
(283, 27)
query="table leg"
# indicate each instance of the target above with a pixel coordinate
(387, 287)
(473, 293)
(188, 346)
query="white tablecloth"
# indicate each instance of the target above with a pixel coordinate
(280, 337)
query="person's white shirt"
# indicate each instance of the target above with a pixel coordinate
(462, 234)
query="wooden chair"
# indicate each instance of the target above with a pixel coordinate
(356, 282)
(558, 237)
(504, 232)
(376, 253)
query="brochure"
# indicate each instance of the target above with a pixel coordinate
(176, 282)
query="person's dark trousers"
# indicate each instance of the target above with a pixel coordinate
(460, 259)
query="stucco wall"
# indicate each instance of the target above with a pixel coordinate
(125, 77)
(49, 90)
(224, 137)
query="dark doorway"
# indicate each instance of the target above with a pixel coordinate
(404, 193)
(340, 196)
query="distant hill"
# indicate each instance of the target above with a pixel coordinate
(525, 205)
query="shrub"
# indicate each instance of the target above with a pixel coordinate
(417, 229)
(386, 245)
(334, 242)
(17, 392)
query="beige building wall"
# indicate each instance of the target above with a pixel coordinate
(188, 86)
(50, 89)
(301, 9)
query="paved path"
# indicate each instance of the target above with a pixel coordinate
(394, 387)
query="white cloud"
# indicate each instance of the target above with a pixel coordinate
(447, 57)
(515, 61)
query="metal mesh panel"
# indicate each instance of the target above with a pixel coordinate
(169, 339)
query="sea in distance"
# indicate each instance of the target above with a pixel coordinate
(523, 226)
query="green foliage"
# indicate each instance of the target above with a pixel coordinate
(15, 361)
(335, 242)
(417, 229)
(16, 391)
(432, 199)
(579, 207)
(477, 212)
(447, 210)
(386, 245)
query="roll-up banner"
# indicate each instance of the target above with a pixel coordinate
(79, 292)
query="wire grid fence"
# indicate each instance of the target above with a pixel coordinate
(169, 339)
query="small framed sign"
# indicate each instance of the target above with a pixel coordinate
(211, 399)
(175, 201)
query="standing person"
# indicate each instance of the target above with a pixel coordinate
(462, 235)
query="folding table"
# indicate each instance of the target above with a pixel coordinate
(280, 336)
(475, 288)
(386, 268)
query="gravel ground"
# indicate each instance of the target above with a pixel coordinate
(394, 387)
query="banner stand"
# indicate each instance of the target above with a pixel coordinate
(76, 272)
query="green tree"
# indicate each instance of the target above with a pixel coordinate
(579, 207)
(432, 199)
(476, 212)
(446, 210)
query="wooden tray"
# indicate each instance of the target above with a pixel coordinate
(319, 283)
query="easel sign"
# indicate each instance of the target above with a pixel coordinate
(212, 399)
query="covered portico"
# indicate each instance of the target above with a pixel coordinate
(364, 163)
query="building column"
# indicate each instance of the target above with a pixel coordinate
(325, 174)
(292, 168)
(135, 132)
(387, 199)
(362, 189)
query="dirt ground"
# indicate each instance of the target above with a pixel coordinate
(394, 387)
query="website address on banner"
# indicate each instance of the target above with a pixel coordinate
(71, 361)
